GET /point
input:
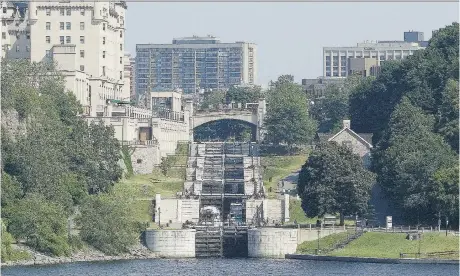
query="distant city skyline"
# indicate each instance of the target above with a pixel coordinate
(290, 36)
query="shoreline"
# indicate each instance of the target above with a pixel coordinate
(86, 255)
(370, 259)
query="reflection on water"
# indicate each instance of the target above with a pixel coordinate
(240, 267)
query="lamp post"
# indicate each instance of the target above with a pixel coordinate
(447, 224)
(419, 243)
(319, 232)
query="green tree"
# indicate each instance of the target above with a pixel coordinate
(244, 94)
(106, 222)
(406, 160)
(287, 118)
(213, 98)
(42, 223)
(333, 180)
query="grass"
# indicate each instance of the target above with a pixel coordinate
(279, 167)
(296, 214)
(389, 245)
(327, 242)
(143, 188)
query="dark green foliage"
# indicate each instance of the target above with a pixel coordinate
(8, 252)
(127, 161)
(167, 163)
(287, 118)
(412, 109)
(407, 159)
(43, 224)
(333, 180)
(243, 95)
(106, 222)
(57, 160)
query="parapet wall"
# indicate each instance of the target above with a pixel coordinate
(171, 243)
(144, 158)
(271, 242)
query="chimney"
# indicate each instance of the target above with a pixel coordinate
(346, 124)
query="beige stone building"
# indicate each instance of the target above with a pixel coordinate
(360, 144)
(85, 39)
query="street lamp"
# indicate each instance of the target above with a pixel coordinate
(447, 224)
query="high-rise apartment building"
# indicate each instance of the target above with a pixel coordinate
(85, 39)
(195, 63)
(335, 59)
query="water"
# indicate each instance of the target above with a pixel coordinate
(239, 267)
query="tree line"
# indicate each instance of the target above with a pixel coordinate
(56, 166)
(412, 109)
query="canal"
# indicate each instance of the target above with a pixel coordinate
(240, 267)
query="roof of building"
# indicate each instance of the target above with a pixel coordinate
(365, 137)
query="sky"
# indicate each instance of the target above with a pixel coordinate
(289, 36)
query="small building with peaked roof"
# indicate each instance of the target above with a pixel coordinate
(359, 143)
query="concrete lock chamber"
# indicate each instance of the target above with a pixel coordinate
(171, 243)
(271, 242)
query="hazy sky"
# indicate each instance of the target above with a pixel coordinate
(289, 36)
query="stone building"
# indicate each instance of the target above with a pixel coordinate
(360, 144)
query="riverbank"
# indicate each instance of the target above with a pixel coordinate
(370, 260)
(88, 254)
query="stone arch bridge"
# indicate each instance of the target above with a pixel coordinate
(252, 113)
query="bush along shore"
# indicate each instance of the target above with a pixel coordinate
(88, 254)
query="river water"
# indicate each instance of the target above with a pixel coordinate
(239, 267)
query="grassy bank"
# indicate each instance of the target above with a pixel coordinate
(143, 188)
(279, 167)
(326, 242)
(296, 214)
(389, 245)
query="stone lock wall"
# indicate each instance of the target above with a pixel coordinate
(144, 158)
(271, 242)
(171, 243)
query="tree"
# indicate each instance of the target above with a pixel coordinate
(330, 110)
(213, 98)
(407, 158)
(106, 222)
(333, 180)
(244, 94)
(42, 223)
(287, 118)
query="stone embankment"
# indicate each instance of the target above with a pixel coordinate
(139, 252)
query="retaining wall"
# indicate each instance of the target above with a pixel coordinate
(171, 243)
(271, 242)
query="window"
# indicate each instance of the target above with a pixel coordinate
(82, 26)
(103, 26)
(121, 60)
(121, 75)
(17, 48)
(82, 12)
(82, 68)
(48, 53)
(3, 23)
(82, 39)
(48, 26)
(61, 39)
(61, 25)
(68, 11)
(61, 12)
(4, 9)
(139, 161)
(121, 34)
(27, 48)
(3, 35)
(48, 40)
(48, 12)
(103, 40)
(68, 25)
(103, 54)
(103, 70)
(121, 46)
(82, 53)
(67, 40)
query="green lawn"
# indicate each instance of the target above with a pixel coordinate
(296, 213)
(279, 167)
(389, 245)
(327, 242)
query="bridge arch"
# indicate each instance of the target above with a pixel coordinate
(225, 130)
